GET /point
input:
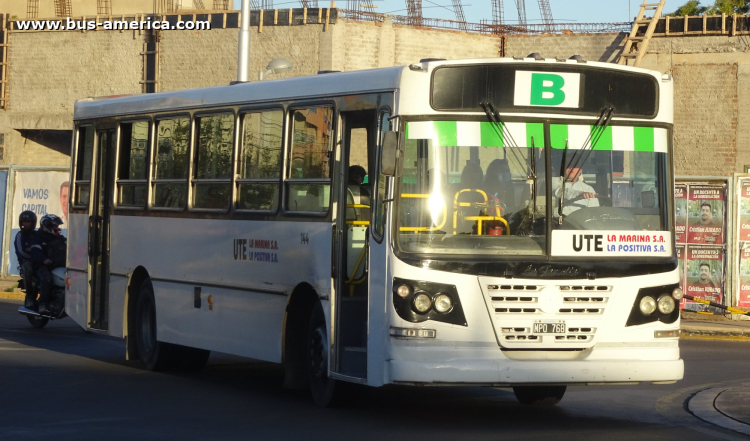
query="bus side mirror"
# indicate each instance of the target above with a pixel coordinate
(389, 154)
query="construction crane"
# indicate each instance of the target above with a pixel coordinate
(221, 5)
(458, 9)
(521, 7)
(414, 11)
(497, 13)
(544, 8)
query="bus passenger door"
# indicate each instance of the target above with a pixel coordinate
(102, 187)
(358, 132)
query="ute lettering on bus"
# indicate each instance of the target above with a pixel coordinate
(243, 250)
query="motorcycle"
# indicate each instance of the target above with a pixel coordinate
(55, 305)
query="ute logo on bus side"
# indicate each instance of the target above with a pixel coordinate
(244, 250)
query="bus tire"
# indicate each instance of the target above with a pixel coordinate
(539, 395)
(322, 387)
(155, 355)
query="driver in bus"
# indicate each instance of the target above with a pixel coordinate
(578, 194)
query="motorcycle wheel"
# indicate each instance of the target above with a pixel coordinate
(37, 322)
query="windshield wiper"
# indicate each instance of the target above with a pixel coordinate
(494, 116)
(578, 160)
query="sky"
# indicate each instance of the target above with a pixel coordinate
(563, 11)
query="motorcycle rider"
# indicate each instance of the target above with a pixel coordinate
(23, 241)
(47, 253)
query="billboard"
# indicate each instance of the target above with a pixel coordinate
(704, 275)
(43, 192)
(706, 214)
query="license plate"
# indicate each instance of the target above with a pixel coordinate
(549, 328)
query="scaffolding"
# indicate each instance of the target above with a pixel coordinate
(458, 9)
(221, 5)
(103, 7)
(63, 8)
(32, 8)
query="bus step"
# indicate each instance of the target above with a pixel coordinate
(354, 361)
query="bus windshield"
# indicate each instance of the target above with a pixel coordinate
(482, 188)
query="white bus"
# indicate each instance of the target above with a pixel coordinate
(497, 222)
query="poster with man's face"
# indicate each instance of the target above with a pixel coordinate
(744, 211)
(681, 250)
(704, 275)
(744, 295)
(680, 207)
(706, 214)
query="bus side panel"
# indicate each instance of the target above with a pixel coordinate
(222, 284)
(118, 286)
(236, 322)
(76, 298)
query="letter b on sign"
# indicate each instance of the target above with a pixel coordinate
(547, 89)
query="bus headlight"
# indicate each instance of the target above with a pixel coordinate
(648, 305)
(678, 293)
(403, 290)
(422, 302)
(666, 304)
(443, 303)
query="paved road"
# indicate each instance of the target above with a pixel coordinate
(61, 383)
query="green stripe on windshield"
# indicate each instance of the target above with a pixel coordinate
(490, 134)
(644, 139)
(604, 142)
(536, 131)
(446, 132)
(558, 135)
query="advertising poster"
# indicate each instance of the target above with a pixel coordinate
(681, 250)
(680, 206)
(704, 276)
(706, 214)
(744, 294)
(43, 192)
(744, 211)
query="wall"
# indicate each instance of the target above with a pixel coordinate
(46, 8)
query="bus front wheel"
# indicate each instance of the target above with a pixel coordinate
(322, 387)
(155, 355)
(539, 395)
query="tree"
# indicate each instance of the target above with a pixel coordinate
(693, 7)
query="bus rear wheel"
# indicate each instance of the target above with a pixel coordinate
(155, 355)
(539, 395)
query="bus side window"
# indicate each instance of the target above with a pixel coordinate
(171, 163)
(84, 158)
(212, 186)
(260, 161)
(309, 175)
(132, 169)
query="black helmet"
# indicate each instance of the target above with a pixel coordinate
(50, 223)
(27, 216)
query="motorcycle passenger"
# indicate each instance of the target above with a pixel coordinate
(46, 253)
(22, 243)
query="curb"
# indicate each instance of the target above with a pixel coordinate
(12, 295)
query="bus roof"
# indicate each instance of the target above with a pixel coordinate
(307, 87)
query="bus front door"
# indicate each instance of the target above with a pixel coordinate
(353, 219)
(99, 218)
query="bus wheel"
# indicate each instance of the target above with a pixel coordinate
(321, 385)
(155, 355)
(37, 322)
(539, 395)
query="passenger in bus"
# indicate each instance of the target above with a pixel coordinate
(22, 242)
(578, 194)
(358, 194)
(47, 253)
(499, 188)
